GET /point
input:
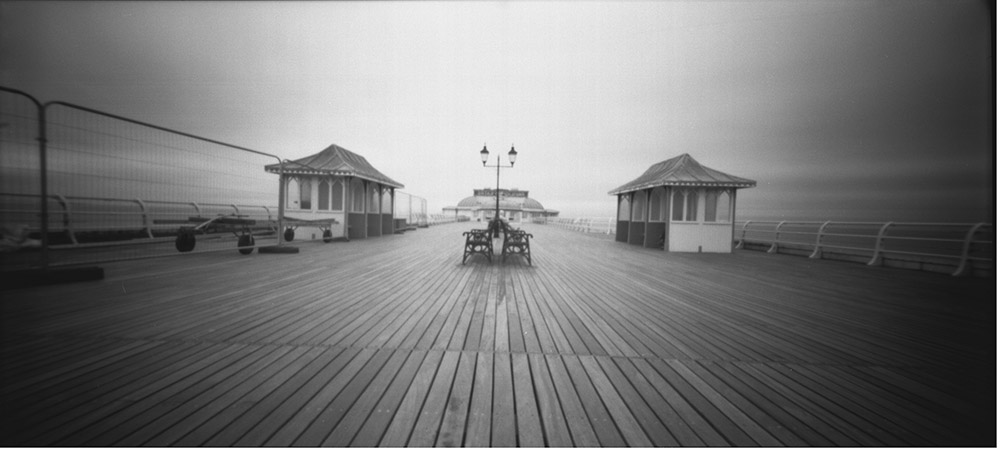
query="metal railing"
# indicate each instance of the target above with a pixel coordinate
(593, 225)
(83, 179)
(71, 217)
(962, 247)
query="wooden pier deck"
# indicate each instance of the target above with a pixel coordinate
(392, 342)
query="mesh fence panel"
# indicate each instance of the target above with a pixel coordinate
(411, 208)
(123, 190)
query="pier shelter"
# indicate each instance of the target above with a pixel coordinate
(515, 206)
(339, 184)
(679, 205)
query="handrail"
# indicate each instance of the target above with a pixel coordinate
(777, 238)
(878, 243)
(924, 243)
(818, 251)
(965, 249)
(921, 242)
(145, 214)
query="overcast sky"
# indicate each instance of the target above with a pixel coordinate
(868, 110)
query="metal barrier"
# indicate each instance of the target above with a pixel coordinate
(412, 209)
(598, 225)
(92, 176)
(958, 248)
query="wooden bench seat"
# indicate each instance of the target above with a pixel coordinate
(516, 243)
(478, 241)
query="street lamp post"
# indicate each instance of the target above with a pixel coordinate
(512, 155)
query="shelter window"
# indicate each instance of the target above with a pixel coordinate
(678, 206)
(711, 198)
(387, 201)
(305, 194)
(373, 199)
(724, 207)
(338, 195)
(656, 205)
(324, 195)
(639, 206)
(691, 209)
(623, 208)
(358, 197)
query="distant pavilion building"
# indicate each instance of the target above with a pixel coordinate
(515, 206)
(339, 184)
(679, 205)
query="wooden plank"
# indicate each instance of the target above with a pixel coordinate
(297, 422)
(553, 422)
(106, 429)
(865, 404)
(404, 417)
(370, 415)
(329, 417)
(515, 332)
(210, 392)
(600, 419)
(529, 426)
(288, 406)
(268, 370)
(610, 379)
(105, 397)
(677, 416)
(718, 420)
(504, 425)
(479, 424)
(578, 420)
(787, 415)
(620, 414)
(747, 414)
(425, 430)
(816, 404)
(452, 432)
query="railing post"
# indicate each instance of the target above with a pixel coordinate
(876, 260)
(269, 220)
(67, 218)
(777, 237)
(966, 247)
(145, 218)
(818, 252)
(743, 236)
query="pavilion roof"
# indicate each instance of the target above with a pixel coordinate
(682, 170)
(337, 161)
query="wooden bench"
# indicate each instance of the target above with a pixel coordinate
(478, 241)
(515, 242)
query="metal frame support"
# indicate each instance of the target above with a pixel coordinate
(148, 225)
(818, 251)
(743, 236)
(876, 258)
(777, 237)
(67, 223)
(963, 263)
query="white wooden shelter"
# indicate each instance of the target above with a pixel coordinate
(679, 205)
(339, 184)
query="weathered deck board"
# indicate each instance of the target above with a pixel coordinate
(391, 341)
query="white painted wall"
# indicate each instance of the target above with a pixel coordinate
(711, 237)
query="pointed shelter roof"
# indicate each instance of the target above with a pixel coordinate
(683, 170)
(336, 161)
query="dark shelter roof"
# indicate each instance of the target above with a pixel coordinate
(682, 170)
(336, 161)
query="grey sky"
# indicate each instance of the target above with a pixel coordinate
(874, 110)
